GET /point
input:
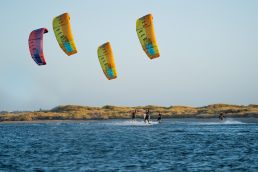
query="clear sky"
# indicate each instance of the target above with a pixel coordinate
(209, 54)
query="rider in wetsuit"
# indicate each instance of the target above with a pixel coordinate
(221, 116)
(147, 116)
(159, 117)
(133, 115)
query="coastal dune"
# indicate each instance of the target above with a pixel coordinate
(73, 112)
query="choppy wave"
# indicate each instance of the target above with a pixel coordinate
(126, 145)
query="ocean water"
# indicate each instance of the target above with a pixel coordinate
(123, 145)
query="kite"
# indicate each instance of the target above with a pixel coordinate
(36, 45)
(63, 33)
(107, 62)
(146, 35)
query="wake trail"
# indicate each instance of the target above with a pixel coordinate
(223, 122)
(134, 123)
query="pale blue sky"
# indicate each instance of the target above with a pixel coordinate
(209, 54)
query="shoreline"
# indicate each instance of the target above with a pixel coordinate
(137, 119)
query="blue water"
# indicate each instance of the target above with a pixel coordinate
(122, 145)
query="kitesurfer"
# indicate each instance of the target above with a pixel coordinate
(221, 116)
(133, 115)
(147, 116)
(159, 117)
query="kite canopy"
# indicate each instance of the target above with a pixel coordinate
(107, 61)
(36, 45)
(63, 33)
(146, 35)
